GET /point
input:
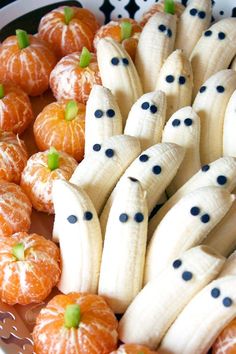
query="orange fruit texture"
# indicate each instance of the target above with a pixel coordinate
(179, 9)
(37, 178)
(15, 109)
(51, 128)
(113, 29)
(95, 333)
(32, 277)
(71, 37)
(13, 157)
(226, 342)
(29, 67)
(69, 81)
(133, 349)
(15, 209)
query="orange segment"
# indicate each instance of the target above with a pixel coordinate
(13, 157)
(226, 342)
(37, 178)
(69, 81)
(96, 333)
(51, 128)
(15, 209)
(29, 67)
(32, 279)
(133, 349)
(69, 38)
(113, 29)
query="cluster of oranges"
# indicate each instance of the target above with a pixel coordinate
(62, 57)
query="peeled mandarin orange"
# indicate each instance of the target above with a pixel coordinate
(15, 108)
(13, 157)
(133, 349)
(68, 29)
(61, 124)
(41, 170)
(15, 209)
(29, 268)
(27, 61)
(226, 342)
(69, 80)
(179, 9)
(122, 33)
(75, 323)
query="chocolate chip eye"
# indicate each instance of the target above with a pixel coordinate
(221, 35)
(195, 211)
(110, 113)
(153, 109)
(205, 168)
(98, 113)
(125, 61)
(143, 158)
(205, 218)
(202, 89)
(88, 215)
(187, 276)
(177, 263)
(123, 217)
(133, 179)
(201, 14)
(215, 292)
(182, 80)
(169, 33)
(145, 105)
(97, 147)
(138, 217)
(170, 78)
(115, 61)
(109, 153)
(208, 33)
(156, 170)
(220, 89)
(176, 122)
(193, 12)
(72, 219)
(227, 302)
(188, 122)
(162, 28)
(221, 180)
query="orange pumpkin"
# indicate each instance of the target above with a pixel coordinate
(61, 124)
(13, 157)
(68, 29)
(27, 61)
(69, 80)
(15, 108)
(75, 323)
(40, 172)
(29, 268)
(116, 30)
(133, 349)
(15, 209)
(226, 342)
(179, 9)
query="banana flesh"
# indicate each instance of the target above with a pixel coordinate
(229, 142)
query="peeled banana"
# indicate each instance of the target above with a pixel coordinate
(184, 226)
(146, 119)
(122, 267)
(79, 235)
(229, 141)
(99, 172)
(176, 80)
(183, 128)
(156, 42)
(162, 299)
(103, 118)
(210, 104)
(229, 267)
(119, 74)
